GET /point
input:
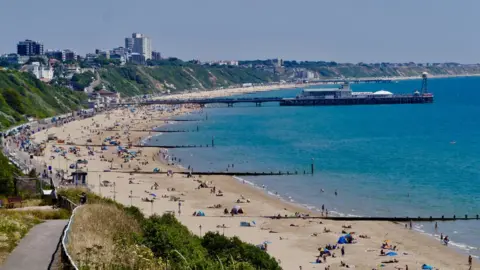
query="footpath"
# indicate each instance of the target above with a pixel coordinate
(36, 249)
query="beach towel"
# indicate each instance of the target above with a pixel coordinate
(245, 224)
(391, 253)
(426, 266)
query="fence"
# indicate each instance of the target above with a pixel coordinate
(67, 260)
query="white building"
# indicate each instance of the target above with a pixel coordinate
(142, 45)
(41, 72)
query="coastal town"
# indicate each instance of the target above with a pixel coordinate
(209, 140)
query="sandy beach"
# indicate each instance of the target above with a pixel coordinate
(294, 242)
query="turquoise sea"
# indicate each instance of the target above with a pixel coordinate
(383, 160)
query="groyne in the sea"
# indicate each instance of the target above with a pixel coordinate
(153, 130)
(392, 219)
(218, 173)
(145, 146)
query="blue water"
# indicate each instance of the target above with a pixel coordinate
(384, 160)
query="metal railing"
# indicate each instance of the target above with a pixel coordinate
(67, 260)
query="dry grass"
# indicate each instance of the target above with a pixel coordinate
(96, 226)
(13, 227)
(101, 237)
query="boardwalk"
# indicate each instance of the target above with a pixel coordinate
(35, 250)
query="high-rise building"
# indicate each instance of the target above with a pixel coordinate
(56, 54)
(29, 48)
(156, 56)
(129, 44)
(70, 55)
(141, 45)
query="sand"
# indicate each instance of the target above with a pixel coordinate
(293, 246)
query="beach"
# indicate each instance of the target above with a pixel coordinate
(294, 242)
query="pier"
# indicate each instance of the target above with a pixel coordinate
(395, 99)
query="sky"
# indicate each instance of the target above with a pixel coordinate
(329, 30)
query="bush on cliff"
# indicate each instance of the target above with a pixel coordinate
(172, 241)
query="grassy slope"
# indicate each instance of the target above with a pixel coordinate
(22, 94)
(135, 80)
(107, 234)
(378, 71)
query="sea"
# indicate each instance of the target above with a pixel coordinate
(382, 160)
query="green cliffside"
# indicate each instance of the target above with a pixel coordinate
(133, 80)
(378, 70)
(21, 95)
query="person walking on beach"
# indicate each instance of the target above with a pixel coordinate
(436, 226)
(470, 260)
(343, 251)
(410, 224)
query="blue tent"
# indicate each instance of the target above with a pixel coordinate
(342, 240)
(391, 253)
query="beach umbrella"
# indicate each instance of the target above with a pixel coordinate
(237, 207)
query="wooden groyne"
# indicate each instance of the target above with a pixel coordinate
(176, 120)
(153, 130)
(391, 219)
(219, 173)
(144, 146)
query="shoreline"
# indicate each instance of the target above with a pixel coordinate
(287, 241)
(459, 247)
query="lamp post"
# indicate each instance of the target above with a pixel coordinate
(99, 184)
(131, 196)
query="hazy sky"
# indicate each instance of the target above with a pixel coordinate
(338, 30)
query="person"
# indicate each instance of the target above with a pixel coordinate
(436, 226)
(83, 198)
(470, 260)
(343, 251)
(441, 237)
(410, 224)
(54, 198)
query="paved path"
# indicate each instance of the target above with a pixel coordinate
(35, 250)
